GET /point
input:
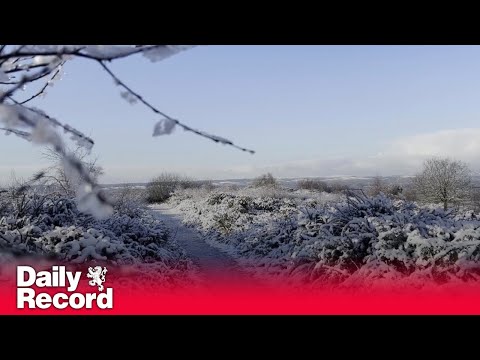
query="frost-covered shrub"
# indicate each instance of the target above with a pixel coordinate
(310, 240)
(163, 186)
(266, 180)
(314, 185)
(398, 234)
(128, 200)
(61, 232)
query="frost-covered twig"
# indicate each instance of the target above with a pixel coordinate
(23, 134)
(92, 52)
(79, 137)
(25, 79)
(89, 195)
(26, 64)
(49, 82)
(166, 126)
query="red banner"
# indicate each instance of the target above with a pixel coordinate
(53, 289)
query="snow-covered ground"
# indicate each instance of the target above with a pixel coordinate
(215, 267)
(312, 238)
(259, 235)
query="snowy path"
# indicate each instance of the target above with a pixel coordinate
(215, 266)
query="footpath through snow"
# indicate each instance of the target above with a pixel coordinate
(216, 268)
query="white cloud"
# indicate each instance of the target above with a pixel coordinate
(459, 143)
(404, 156)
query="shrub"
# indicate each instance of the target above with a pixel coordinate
(314, 184)
(266, 180)
(409, 193)
(395, 190)
(128, 200)
(161, 188)
(358, 240)
(204, 184)
(379, 186)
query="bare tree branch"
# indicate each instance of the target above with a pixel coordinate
(27, 64)
(214, 138)
(55, 122)
(38, 77)
(25, 79)
(23, 134)
(42, 90)
(78, 52)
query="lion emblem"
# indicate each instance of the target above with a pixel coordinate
(97, 274)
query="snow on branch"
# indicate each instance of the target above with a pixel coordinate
(167, 125)
(23, 134)
(30, 64)
(41, 53)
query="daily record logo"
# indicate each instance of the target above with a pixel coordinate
(60, 277)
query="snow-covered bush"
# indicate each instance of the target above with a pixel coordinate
(315, 241)
(313, 185)
(54, 228)
(266, 180)
(128, 200)
(163, 186)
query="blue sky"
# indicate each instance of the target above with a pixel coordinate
(306, 110)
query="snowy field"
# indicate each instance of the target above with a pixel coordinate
(279, 235)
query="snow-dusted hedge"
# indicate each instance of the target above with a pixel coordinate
(55, 229)
(359, 238)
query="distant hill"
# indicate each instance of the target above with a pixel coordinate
(351, 181)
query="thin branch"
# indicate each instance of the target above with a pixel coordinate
(55, 122)
(25, 79)
(32, 79)
(23, 134)
(177, 122)
(77, 52)
(24, 67)
(42, 90)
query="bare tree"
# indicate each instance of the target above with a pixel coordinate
(56, 177)
(443, 181)
(36, 67)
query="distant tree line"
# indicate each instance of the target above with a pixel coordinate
(441, 181)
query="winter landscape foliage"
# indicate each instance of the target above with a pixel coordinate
(343, 239)
(39, 224)
(62, 212)
(23, 66)
(315, 234)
